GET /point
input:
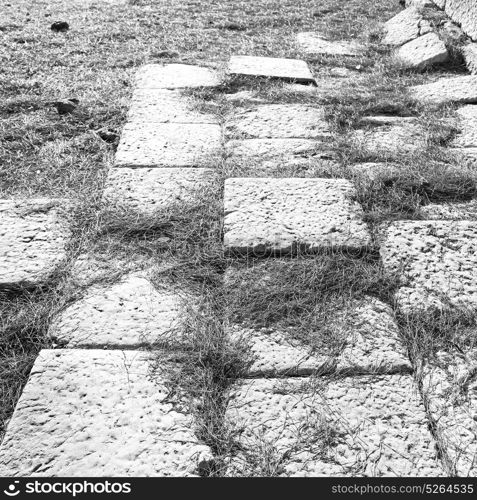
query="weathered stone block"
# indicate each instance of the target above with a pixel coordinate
(437, 262)
(362, 426)
(461, 89)
(470, 56)
(285, 214)
(312, 43)
(464, 12)
(403, 27)
(423, 52)
(129, 313)
(175, 76)
(280, 121)
(166, 106)
(146, 190)
(99, 413)
(168, 145)
(33, 237)
(284, 69)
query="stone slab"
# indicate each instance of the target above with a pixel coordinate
(470, 56)
(464, 12)
(33, 238)
(460, 90)
(175, 76)
(168, 145)
(403, 27)
(285, 214)
(128, 314)
(279, 121)
(388, 140)
(450, 211)
(467, 138)
(437, 262)
(293, 70)
(372, 345)
(166, 106)
(279, 154)
(357, 426)
(146, 190)
(449, 385)
(423, 52)
(99, 413)
(313, 43)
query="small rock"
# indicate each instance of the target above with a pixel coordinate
(232, 26)
(423, 52)
(167, 54)
(65, 106)
(60, 26)
(425, 27)
(108, 135)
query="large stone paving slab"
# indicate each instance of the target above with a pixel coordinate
(437, 262)
(280, 121)
(175, 76)
(282, 215)
(461, 89)
(423, 52)
(284, 69)
(33, 238)
(466, 210)
(166, 106)
(129, 313)
(371, 345)
(450, 387)
(467, 138)
(313, 43)
(99, 413)
(403, 27)
(168, 145)
(359, 426)
(146, 190)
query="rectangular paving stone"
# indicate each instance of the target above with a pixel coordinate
(371, 345)
(175, 76)
(449, 385)
(99, 413)
(168, 145)
(279, 121)
(354, 426)
(313, 43)
(437, 262)
(33, 238)
(466, 210)
(461, 89)
(146, 190)
(286, 214)
(293, 70)
(128, 314)
(166, 106)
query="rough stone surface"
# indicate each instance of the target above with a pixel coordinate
(450, 387)
(168, 145)
(470, 56)
(377, 427)
(419, 4)
(464, 12)
(146, 190)
(166, 106)
(271, 67)
(98, 413)
(311, 42)
(451, 211)
(468, 123)
(130, 313)
(33, 237)
(280, 121)
(269, 214)
(175, 76)
(461, 89)
(390, 139)
(372, 345)
(436, 261)
(403, 27)
(279, 154)
(423, 52)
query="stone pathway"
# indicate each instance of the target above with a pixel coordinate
(96, 406)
